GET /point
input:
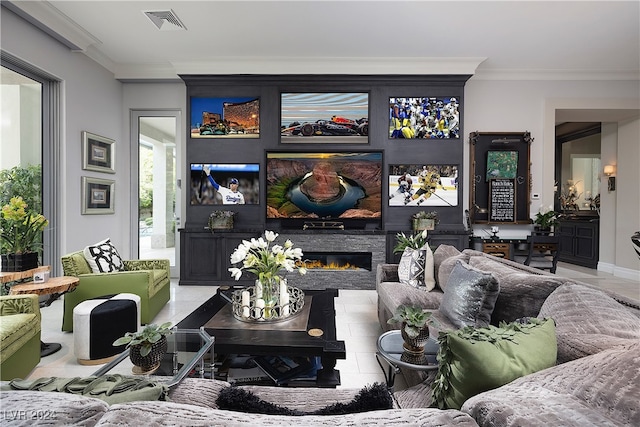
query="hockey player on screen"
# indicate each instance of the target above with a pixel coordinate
(231, 195)
(405, 187)
(428, 184)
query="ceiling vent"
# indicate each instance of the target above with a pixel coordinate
(165, 20)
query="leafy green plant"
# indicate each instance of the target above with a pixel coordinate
(20, 227)
(546, 217)
(426, 215)
(414, 319)
(145, 338)
(415, 241)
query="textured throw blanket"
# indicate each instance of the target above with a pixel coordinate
(109, 388)
(371, 398)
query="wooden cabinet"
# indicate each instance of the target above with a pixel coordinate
(204, 256)
(580, 242)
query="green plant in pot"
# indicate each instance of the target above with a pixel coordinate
(147, 346)
(415, 331)
(414, 241)
(424, 220)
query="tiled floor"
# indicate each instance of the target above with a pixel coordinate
(356, 316)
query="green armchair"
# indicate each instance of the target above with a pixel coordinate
(149, 279)
(20, 326)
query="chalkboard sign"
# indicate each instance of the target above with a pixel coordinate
(502, 200)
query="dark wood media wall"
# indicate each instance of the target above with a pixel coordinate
(205, 255)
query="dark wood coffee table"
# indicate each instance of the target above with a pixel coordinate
(239, 338)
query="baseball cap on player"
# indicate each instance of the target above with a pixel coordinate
(233, 181)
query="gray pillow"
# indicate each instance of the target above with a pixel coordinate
(469, 296)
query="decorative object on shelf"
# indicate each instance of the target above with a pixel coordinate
(495, 230)
(221, 220)
(424, 220)
(569, 196)
(146, 347)
(415, 241)
(271, 299)
(20, 230)
(415, 332)
(545, 219)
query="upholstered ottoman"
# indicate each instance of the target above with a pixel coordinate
(99, 322)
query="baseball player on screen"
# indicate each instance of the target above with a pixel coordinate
(231, 195)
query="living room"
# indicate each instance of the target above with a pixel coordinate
(521, 99)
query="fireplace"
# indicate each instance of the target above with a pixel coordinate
(338, 260)
(330, 251)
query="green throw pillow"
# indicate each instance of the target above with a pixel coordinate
(474, 360)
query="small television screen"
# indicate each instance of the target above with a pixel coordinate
(324, 185)
(423, 185)
(225, 184)
(232, 117)
(424, 118)
(324, 118)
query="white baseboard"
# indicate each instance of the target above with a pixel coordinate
(624, 273)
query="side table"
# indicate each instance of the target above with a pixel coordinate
(54, 287)
(390, 349)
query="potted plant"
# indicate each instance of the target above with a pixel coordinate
(20, 230)
(415, 241)
(424, 220)
(148, 346)
(222, 220)
(545, 219)
(415, 331)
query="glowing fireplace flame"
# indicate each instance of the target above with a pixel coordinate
(317, 264)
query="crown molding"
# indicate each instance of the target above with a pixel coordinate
(49, 19)
(537, 75)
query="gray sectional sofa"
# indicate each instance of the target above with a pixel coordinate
(596, 381)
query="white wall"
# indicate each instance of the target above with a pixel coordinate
(91, 101)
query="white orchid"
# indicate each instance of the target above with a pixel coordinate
(264, 260)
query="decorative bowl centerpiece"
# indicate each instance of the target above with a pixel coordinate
(270, 299)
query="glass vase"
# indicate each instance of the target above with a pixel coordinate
(268, 289)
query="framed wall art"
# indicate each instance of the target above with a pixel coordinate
(98, 153)
(228, 117)
(500, 177)
(324, 118)
(424, 117)
(423, 185)
(97, 196)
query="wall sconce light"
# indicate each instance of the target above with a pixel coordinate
(611, 182)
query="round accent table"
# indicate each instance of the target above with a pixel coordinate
(54, 287)
(389, 349)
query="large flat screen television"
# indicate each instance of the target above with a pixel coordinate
(237, 183)
(310, 186)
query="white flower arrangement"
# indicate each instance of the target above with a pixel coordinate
(264, 260)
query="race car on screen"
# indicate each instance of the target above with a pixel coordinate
(337, 126)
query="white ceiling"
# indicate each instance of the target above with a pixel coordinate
(491, 39)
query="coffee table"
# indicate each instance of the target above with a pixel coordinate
(315, 339)
(187, 349)
(390, 350)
